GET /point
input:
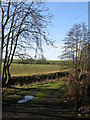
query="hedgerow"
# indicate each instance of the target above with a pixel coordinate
(21, 80)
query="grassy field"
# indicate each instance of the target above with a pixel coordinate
(51, 100)
(29, 69)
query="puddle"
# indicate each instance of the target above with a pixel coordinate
(26, 99)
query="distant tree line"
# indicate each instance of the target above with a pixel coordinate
(67, 63)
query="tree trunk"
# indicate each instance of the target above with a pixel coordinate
(73, 60)
(7, 76)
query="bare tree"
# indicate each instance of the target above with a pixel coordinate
(76, 48)
(21, 22)
(69, 47)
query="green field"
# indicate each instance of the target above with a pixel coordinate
(47, 95)
(51, 100)
(30, 69)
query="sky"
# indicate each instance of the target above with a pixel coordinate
(65, 15)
